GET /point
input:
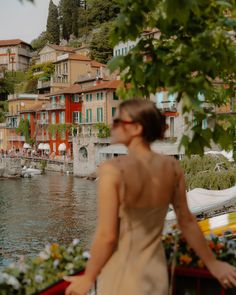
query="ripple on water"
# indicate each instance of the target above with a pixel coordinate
(44, 209)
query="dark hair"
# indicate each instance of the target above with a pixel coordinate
(147, 114)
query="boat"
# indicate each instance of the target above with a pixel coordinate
(29, 172)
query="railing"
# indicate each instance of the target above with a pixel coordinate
(16, 138)
(42, 137)
(55, 106)
(168, 106)
(43, 84)
(43, 121)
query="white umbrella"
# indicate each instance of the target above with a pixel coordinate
(41, 146)
(62, 147)
(26, 146)
(46, 146)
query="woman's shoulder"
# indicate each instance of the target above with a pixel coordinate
(113, 165)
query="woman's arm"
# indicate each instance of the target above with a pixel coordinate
(106, 235)
(224, 272)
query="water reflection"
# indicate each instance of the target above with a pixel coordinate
(45, 208)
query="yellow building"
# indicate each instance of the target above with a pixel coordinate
(3, 137)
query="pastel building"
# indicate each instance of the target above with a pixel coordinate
(15, 55)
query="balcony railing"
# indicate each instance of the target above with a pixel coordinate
(168, 106)
(55, 106)
(42, 137)
(43, 84)
(43, 122)
(16, 138)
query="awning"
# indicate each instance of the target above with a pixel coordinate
(26, 146)
(119, 149)
(202, 200)
(46, 146)
(41, 146)
(62, 147)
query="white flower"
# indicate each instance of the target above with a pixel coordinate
(86, 255)
(44, 255)
(55, 263)
(70, 266)
(75, 242)
(38, 279)
(70, 250)
(13, 282)
(3, 277)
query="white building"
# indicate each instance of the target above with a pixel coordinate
(15, 55)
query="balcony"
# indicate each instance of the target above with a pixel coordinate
(16, 138)
(43, 84)
(42, 122)
(168, 106)
(55, 106)
(42, 137)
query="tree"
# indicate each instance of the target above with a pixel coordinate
(68, 12)
(101, 11)
(38, 43)
(194, 51)
(53, 28)
(101, 48)
(210, 172)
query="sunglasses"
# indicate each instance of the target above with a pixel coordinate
(118, 121)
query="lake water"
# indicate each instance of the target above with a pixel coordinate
(46, 208)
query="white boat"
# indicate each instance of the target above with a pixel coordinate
(28, 172)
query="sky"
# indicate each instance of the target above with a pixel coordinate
(23, 20)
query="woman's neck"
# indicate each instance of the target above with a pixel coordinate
(139, 147)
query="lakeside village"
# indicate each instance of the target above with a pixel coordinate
(65, 126)
(67, 120)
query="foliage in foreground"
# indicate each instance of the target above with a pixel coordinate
(224, 249)
(213, 172)
(32, 275)
(194, 57)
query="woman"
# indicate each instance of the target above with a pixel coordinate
(134, 193)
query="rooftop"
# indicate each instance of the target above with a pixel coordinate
(12, 42)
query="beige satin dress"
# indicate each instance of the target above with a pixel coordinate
(138, 265)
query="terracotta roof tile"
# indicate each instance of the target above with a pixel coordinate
(96, 64)
(62, 48)
(12, 42)
(113, 84)
(67, 90)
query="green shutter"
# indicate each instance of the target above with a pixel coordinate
(101, 114)
(86, 116)
(101, 95)
(113, 111)
(87, 97)
(91, 96)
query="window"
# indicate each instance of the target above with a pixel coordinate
(75, 98)
(172, 127)
(22, 117)
(99, 114)
(53, 118)
(88, 117)
(62, 117)
(115, 96)
(113, 111)
(87, 97)
(204, 124)
(101, 95)
(77, 117)
(98, 95)
(28, 117)
(62, 100)
(91, 96)
(53, 100)
(63, 135)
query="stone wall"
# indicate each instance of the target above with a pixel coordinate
(10, 167)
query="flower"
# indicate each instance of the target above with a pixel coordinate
(185, 259)
(38, 279)
(56, 263)
(86, 255)
(13, 282)
(75, 242)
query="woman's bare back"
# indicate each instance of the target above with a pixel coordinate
(148, 182)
